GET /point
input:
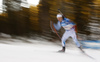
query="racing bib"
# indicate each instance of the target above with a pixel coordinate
(68, 27)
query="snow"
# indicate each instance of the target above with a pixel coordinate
(43, 52)
(5, 35)
(1, 6)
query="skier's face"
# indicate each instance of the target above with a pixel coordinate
(60, 19)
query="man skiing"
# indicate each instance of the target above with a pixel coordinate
(69, 30)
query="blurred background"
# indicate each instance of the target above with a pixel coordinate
(31, 18)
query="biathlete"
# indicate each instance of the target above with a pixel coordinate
(69, 27)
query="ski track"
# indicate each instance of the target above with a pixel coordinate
(44, 53)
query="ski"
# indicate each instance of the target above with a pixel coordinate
(86, 54)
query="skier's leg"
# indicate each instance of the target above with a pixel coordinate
(74, 37)
(76, 41)
(64, 38)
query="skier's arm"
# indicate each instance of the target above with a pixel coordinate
(57, 26)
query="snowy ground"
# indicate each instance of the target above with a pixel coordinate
(21, 49)
(44, 52)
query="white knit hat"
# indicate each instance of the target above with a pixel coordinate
(59, 15)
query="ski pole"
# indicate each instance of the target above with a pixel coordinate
(54, 30)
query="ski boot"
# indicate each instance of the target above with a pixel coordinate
(63, 49)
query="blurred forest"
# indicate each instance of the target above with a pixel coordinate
(22, 21)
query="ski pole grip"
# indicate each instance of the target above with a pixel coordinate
(60, 11)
